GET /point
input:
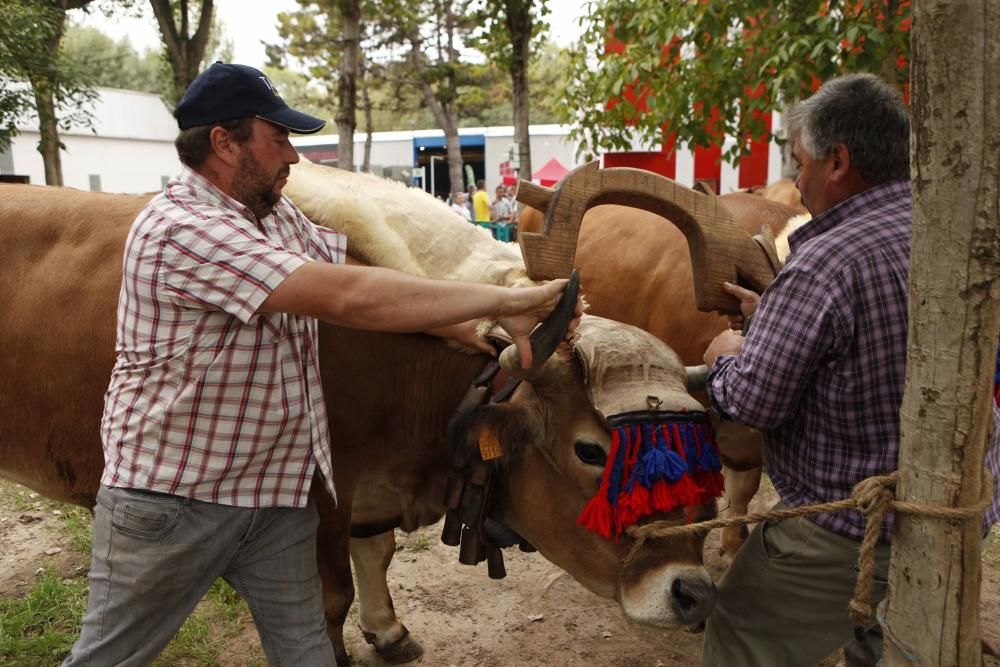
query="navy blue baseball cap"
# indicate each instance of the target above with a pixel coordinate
(228, 92)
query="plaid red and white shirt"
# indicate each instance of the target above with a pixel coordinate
(208, 399)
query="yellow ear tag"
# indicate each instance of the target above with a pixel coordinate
(489, 446)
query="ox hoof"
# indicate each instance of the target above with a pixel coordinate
(404, 649)
(695, 629)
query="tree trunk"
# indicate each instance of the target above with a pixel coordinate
(184, 51)
(519, 26)
(455, 174)
(366, 103)
(45, 105)
(934, 578)
(447, 120)
(347, 83)
(48, 130)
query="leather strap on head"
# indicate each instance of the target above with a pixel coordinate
(471, 483)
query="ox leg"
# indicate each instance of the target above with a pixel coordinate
(334, 560)
(371, 557)
(741, 485)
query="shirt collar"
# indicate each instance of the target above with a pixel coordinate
(847, 209)
(193, 179)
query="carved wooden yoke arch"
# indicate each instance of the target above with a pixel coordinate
(720, 249)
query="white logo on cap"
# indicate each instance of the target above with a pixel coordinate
(270, 86)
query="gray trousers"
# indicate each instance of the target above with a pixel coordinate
(783, 601)
(154, 557)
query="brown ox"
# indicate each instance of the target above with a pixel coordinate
(389, 398)
(636, 268)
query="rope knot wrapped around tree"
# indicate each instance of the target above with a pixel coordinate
(872, 496)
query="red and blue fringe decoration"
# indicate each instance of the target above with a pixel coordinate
(654, 467)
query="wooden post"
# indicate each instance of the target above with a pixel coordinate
(934, 578)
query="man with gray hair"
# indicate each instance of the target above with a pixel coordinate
(821, 374)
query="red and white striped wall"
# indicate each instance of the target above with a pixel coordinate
(686, 166)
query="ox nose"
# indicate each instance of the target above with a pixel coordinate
(692, 598)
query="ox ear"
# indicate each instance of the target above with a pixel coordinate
(495, 430)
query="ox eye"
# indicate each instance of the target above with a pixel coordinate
(591, 454)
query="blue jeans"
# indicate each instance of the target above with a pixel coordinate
(155, 555)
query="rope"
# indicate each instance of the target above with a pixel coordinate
(873, 497)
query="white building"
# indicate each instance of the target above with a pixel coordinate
(419, 157)
(129, 149)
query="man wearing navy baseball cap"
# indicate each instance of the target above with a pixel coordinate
(230, 92)
(215, 423)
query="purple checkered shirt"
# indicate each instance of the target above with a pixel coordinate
(992, 514)
(209, 399)
(823, 368)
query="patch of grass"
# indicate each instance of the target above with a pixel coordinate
(419, 544)
(76, 525)
(228, 603)
(20, 498)
(40, 628)
(218, 620)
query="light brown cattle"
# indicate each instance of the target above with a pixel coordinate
(636, 268)
(389, 398)
(784, 192)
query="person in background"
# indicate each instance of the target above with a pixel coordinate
(469, 196)
(509, 193)
(501, 206)
(215, 424)
(481, 203)
(459, 206)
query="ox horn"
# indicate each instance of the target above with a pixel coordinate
(539, 375)
(721, 251)
(697, 378)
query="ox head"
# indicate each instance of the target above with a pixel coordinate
(561, 434)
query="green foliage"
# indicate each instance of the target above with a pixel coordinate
(405, 46)
(503, 22)
(737, 57)
(310, 36)
(297, 91)
(548, 75)
(29, 64)
(101, 61)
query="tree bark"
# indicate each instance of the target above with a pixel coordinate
(347, 82)
(445, 115)
(519, 25)
(184, 51)
(44, 92)
(366, 103)
(934, 578)
(48, 131)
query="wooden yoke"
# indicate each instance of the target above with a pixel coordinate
(720, 249)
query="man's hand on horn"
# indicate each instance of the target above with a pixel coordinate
(748, 304)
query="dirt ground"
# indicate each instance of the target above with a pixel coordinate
(536, 616)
